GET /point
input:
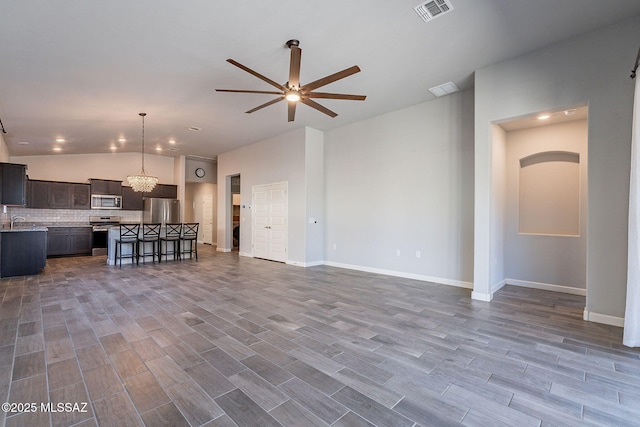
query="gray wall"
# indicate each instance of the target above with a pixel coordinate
(403, 182)
(314, 181)
(210, 171)
(279, 159)
(592, 69)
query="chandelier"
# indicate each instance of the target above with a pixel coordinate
(142, 182)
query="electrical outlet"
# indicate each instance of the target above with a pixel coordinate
(335, 246)
(397, 252)
(418, 254)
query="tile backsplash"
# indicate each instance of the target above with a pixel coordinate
(66, 215)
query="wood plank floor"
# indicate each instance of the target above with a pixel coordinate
(232, 341)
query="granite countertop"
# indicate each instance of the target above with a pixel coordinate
(63, 224)
(20, 228)
(39, 226)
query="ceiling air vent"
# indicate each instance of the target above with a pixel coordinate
(433, 9)
(444, 89)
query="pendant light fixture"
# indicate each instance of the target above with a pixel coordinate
(142, 182)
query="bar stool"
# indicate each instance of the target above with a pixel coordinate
(150, 234)
(128, 236)
(172, 235)
(189, 234)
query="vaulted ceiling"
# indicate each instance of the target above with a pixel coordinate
(82, 70)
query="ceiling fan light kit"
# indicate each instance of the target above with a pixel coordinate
(292, 91)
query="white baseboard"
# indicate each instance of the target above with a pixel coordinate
(246, 254)
(423, 278)
(481, 296)
(547, 287)
(219, 249)
(305, 264)
(590, 316)
(495, 288)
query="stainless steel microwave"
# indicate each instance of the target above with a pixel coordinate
(105, 201)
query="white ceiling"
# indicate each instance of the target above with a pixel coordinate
(83, 70)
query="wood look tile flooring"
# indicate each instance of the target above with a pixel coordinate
(233, 341)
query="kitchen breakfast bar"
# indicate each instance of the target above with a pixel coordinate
(144, 243)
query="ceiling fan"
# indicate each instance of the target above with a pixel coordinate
(292, 91)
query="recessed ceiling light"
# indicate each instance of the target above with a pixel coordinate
(158, 148)
(172, 141)
(60, 140)
(544, 116)
(194, 128)
(122, 139)
(57, 149)
(23, 143)
(113, 148)
(570, 112)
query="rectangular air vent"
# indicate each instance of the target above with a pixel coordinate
(444, 89)
(433, 9)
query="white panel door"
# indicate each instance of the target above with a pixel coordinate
(261, 221)
(270, 221)
(207, 219)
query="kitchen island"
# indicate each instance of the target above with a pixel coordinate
(23, 251)
(114, 232)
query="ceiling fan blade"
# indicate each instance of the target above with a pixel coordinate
(266, 104)
(292, 111)
(294, 67)
(330, 79)
(249, 91)
(318, 107)
(258, 75)
(335, 96)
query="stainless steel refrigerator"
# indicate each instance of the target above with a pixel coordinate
(161, 211)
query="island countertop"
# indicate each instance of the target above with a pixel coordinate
(23, 228)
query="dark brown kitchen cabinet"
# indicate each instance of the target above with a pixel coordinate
(106, 186)
(66, 241)
(38, 194)
(13, 186)
(80, 196)
(58, 195)
(163, 191)
(22, 253)
(131, 200)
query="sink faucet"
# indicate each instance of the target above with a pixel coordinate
(14, 219)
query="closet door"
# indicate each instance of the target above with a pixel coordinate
(270, 221)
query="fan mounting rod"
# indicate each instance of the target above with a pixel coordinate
(292, 42)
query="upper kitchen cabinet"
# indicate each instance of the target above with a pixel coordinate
(164, 191)
(38, 194)
(80, 196)
(13, 187)
(105, 186)
(58, 195)
(131, 200)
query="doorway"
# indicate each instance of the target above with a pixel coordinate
(234, 202)
(207, 219)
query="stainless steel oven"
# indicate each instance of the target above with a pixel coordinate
(106, 201)
(100, 240)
